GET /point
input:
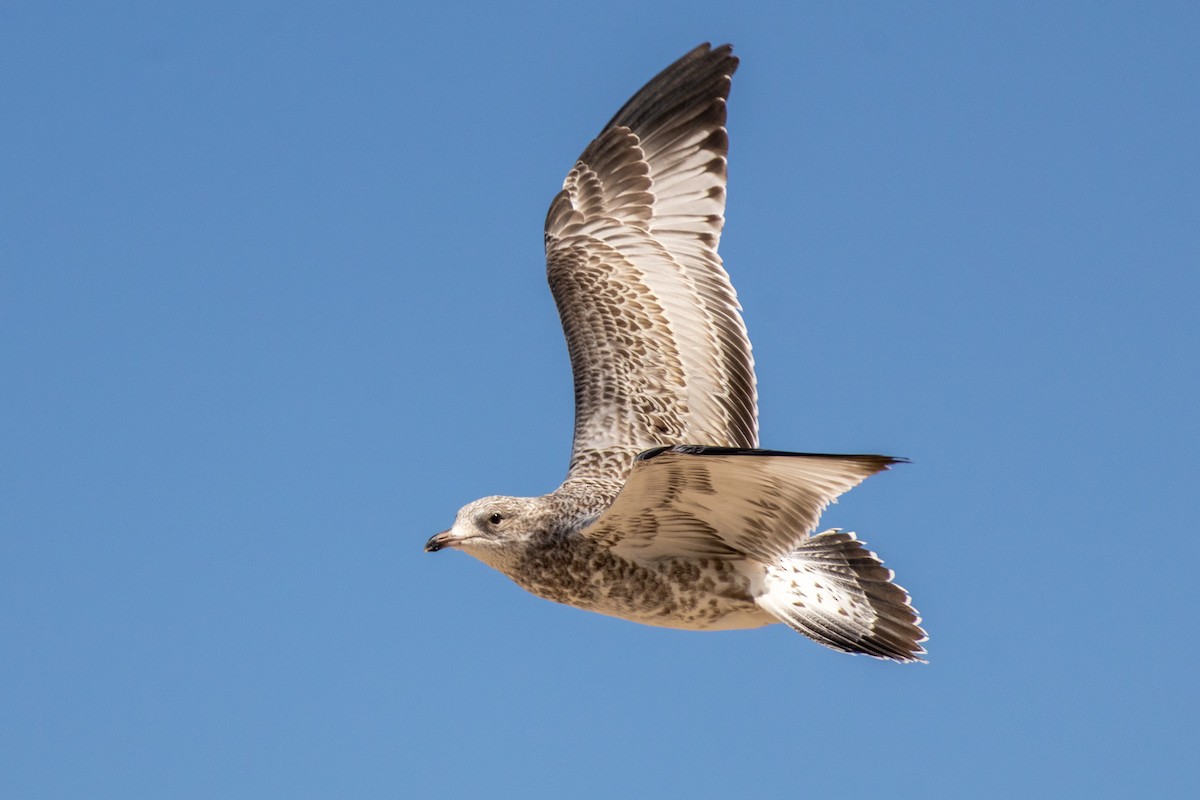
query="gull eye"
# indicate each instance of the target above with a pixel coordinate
(496, 519)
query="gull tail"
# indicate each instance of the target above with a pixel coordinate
(835, 591)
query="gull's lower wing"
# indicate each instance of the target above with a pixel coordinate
(693, 501)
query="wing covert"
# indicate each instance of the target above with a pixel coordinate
(696, 502)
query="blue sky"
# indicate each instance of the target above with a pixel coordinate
(272, 307)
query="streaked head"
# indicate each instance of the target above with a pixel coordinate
(490, 528)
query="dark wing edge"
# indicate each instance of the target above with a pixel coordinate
(884, 462)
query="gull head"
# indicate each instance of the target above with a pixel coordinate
(493, 529)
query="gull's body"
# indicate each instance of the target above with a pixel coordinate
(669, 514)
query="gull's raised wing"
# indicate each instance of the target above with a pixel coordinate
(657, 344)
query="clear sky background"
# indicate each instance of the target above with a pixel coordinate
(273, 306)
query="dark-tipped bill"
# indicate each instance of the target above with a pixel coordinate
(439, 541)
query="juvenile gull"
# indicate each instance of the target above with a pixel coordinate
(669, 514)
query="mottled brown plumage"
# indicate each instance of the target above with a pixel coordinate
(669, 515)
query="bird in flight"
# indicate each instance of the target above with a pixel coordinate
(670, 515)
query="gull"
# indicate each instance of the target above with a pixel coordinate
(670, 514)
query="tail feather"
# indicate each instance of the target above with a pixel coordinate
(835, 591)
